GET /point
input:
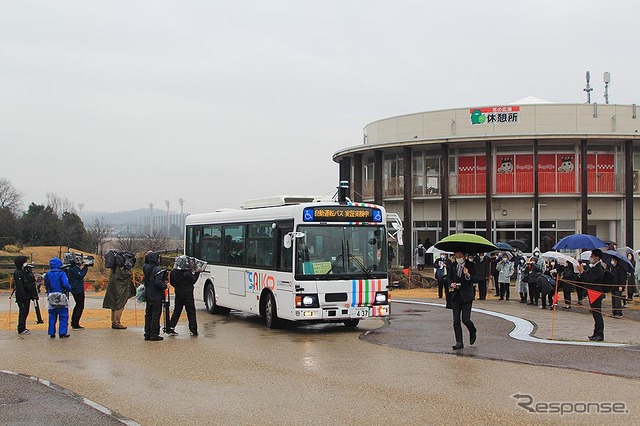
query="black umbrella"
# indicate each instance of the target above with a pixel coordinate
(505, 246)
(466, 243)
(519, 244)
(622, 259)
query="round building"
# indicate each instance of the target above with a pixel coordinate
(532, 170)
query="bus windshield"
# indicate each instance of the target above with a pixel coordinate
(341, 252)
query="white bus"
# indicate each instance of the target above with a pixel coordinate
(306, 262)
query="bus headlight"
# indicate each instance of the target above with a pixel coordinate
(381, 298)
(307, 301)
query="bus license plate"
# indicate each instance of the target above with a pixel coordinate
(358, 312)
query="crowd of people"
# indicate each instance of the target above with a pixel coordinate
(544, 282)
(63, 279)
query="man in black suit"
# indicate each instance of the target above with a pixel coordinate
(593, 279)
(462, 275)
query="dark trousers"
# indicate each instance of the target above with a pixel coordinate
(482, 289)
(548, 297)
(442, 287)
(23, 313)
(567, 296)
(463, 309)
(534, 294)
(186, 301)
(152, 319)
(504, 290)
(616, 302)
(581, 292)
(596, 312)
(77, 309)
(495, 283)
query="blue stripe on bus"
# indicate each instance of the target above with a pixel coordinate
(354, 289)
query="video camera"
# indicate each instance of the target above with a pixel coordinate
(113, 258)
(189, 263)
(78, 259)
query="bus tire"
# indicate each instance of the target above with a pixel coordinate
(210, 301)
(351, 323)
(270, 312)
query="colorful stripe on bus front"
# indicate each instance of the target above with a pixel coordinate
(363, 293)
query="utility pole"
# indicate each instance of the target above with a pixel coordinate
(168, 203)
(150, 218)
(181, 202)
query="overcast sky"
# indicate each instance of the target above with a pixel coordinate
(118, 104)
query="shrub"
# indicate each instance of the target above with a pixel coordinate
(10, 248)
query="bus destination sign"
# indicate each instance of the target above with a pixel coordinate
(342, 214)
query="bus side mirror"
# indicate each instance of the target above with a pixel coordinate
(287, 241)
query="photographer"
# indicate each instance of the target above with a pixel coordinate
(119, 289)
(155, 283)
(182, 278)
(76, 280)
(25, 291)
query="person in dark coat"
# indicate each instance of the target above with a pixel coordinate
(593, 278)
(617, 290)
(25, 291)
(182, 279)
(155, 283)
(57, 284)
(462, 275)
(495, 273)
(442, 267)
(533, 271)
(76, 275)
(569, 277)
(483, 266)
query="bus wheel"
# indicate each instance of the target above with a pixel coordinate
(270, 312)
(352, 323)
(210, 301)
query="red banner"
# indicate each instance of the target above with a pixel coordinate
(524, 173)
(547, 173)
(505, 169)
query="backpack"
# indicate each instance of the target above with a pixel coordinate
(420, 251)
(141, 294)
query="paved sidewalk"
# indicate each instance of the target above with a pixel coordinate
(567, 325)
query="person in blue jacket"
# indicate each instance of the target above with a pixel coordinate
(56, 283)
(76, 280)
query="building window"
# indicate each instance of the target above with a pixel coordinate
(392, 178)
(367, 178)
(552, 231)
(426, 174)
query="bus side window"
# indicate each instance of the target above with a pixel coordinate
(285, 260)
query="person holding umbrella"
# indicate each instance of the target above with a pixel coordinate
(462, 275)
(593, 279)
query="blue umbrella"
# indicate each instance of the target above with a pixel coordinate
(579, 241)
(505, 246)
(622, 259)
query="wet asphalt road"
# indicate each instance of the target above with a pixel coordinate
(238, 372)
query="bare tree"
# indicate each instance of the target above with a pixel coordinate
(10, 197)
(99, 231)
(60, 205)
(155, 240)
(130, 242)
